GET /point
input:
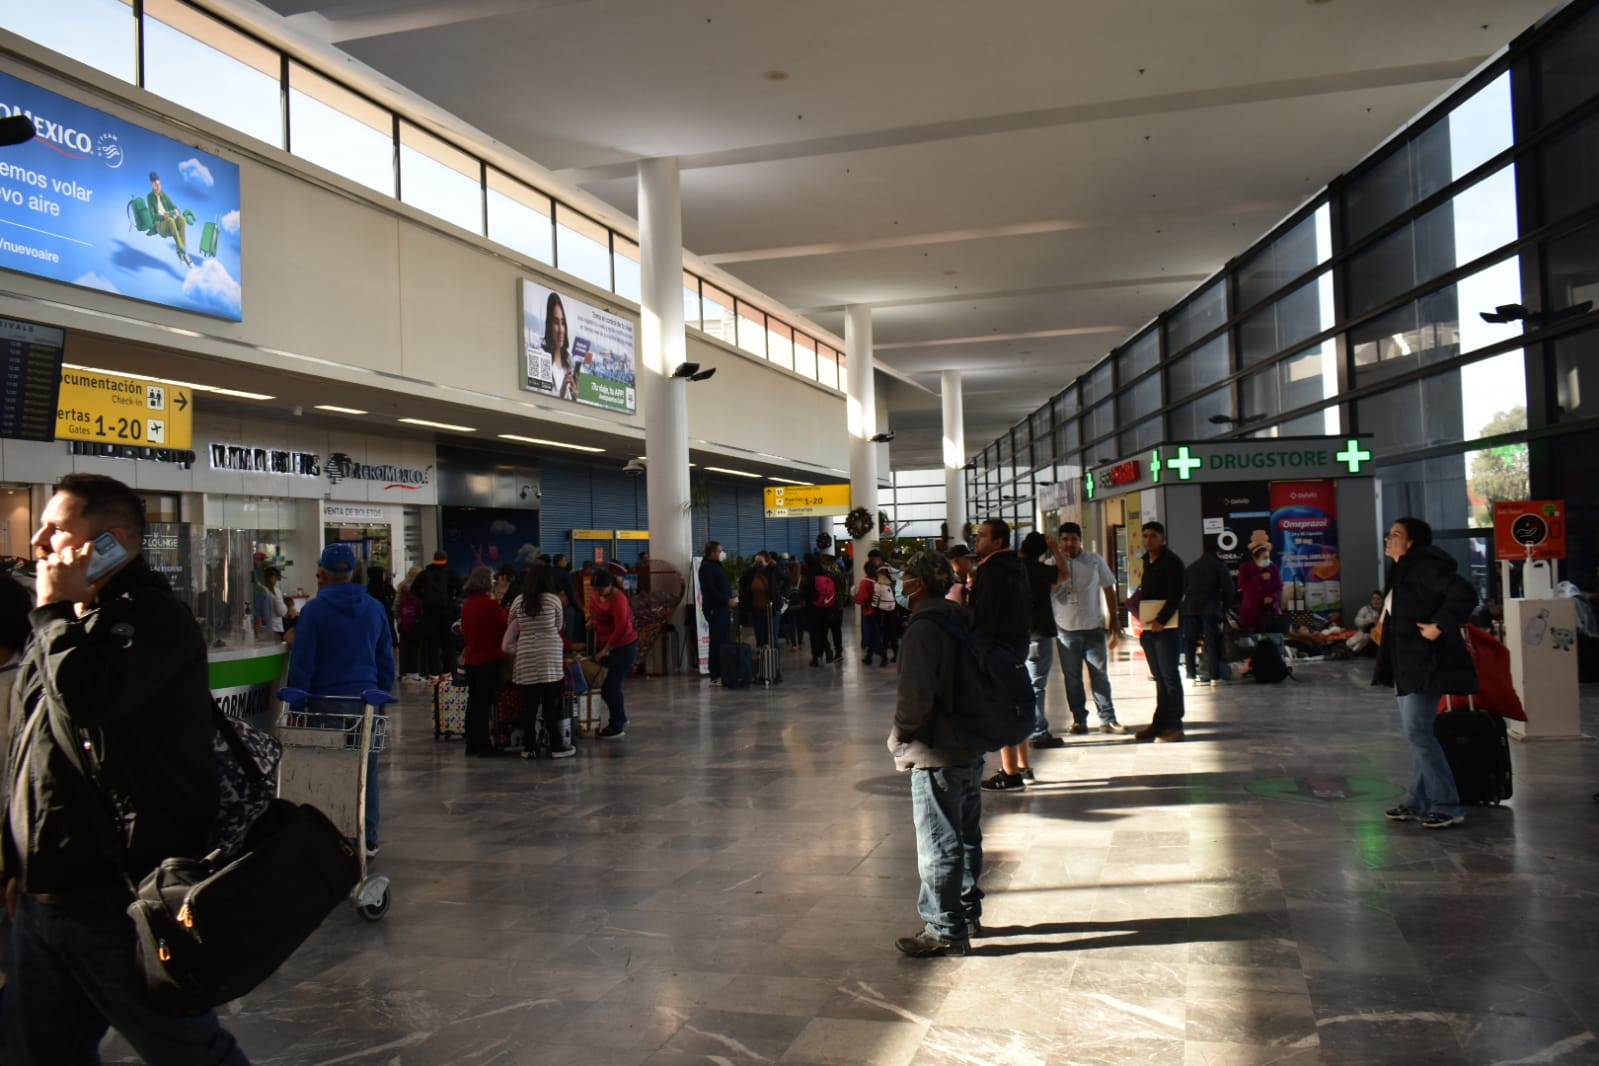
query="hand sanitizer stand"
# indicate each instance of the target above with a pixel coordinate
(1542, 636)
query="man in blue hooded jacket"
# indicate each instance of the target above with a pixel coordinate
(342, 648)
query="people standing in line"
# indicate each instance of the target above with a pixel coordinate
(1160, 601)
(1041, 580)
(506, 585)
(874, 559)
(1361, 641)
(1087, 627)
(571, 605)
(1001, 605)
(871, 617)
(1423, 657)
(820, 595)
(270, 607)
(408, 614)
(612, 616)
(755, 599)
(946, 772)
(834, 615)
(114, 676)
(717, 602)
(342, 648)
(533, 637)
(1260, 592)
(439, 589)
(1207, 594)
(961, 561)
(888, 613)
(378, 587)
(483, 623)
(782, 585)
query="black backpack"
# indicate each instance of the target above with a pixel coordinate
(994, 696)
(1267, 665)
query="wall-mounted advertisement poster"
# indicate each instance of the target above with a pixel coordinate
(1237, 516)
(576, 351)
(95, 201)
(1304, 520)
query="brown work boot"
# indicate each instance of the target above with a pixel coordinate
(1146, 733)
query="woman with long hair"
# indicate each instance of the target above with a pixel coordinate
(534, 638)
(483, 630)
(557, 342)
(1423, 657)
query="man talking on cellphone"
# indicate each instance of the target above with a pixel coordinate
(114, 684)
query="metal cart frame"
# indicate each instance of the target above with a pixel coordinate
(317, 744)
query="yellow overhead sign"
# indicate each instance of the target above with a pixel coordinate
(632, 534)
(112, 409)
(803, 501)
(592, 534)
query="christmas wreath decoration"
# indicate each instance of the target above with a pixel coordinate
(859, 522)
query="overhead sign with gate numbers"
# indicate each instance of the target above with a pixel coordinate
(112, 409)
(806, 501)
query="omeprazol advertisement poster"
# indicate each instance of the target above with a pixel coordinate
(95, 201)
(576, 351)
(1304, 521)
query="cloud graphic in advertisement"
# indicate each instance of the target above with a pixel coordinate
(196, 173)
(209, 285)
(91, 280)
(502, 528)
(230, 223)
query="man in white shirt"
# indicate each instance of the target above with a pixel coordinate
(1084, 602)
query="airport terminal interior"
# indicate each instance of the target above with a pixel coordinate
(485, 281)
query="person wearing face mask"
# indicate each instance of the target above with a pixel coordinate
(1260, 591)
(717, 601)
(946, 772)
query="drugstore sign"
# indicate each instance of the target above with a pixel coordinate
(1167, 464)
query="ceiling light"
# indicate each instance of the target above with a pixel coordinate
(435, 425)
(338, 410)
(788, 481)
(776, 75)
(549, 443)
(215, 390)
(735, 473)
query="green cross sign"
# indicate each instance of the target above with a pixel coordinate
(1353, 456)
(1154, 464)
(1185, 464)
(1088, 482)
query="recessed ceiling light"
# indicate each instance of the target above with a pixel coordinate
(776, 75)
(735, 473)
(436, 425)
(338, 410)
(548, 443)
(788, 481)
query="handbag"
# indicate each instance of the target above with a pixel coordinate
(594, 672)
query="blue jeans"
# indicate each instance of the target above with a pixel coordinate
(619, 664)
(1161, 651)
(1208, 626)
(1040, 657)
(716, 625)
(74, 975)
(872, 636)
(948, 806)
(1432, 783)
(1078, 646)
(761, 620)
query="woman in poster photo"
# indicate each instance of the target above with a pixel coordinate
(558, 344)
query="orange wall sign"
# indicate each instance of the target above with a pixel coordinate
(1539, 525)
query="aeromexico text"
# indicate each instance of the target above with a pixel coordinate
(339, 466)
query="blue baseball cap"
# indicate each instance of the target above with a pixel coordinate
(337, 559)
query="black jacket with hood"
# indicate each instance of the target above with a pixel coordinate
(131, 679)
(1001, 600)
(923, 736)
(1427, 587)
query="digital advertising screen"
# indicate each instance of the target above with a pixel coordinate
(576, 351)
(95, 201)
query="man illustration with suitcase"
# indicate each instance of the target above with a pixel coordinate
(169, 221)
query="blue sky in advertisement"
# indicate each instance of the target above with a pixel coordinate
(77, 204)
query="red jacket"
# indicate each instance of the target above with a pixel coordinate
(483, 625)
(613, 619)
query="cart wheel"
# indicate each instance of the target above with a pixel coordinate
(373, 912)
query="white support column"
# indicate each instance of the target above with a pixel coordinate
(663, 346)
(862, 400)
(954, 454)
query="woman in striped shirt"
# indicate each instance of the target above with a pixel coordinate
(534, 634)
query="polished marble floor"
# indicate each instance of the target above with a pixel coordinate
(725, 885)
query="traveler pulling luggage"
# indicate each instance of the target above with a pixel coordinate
(769, 658)
(1478, 750)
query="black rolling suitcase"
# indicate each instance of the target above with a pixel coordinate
(769, 660)
(1478, 750)
(738, 669)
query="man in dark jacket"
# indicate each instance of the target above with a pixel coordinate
(717, 601)
(1208, 592)
(439, 589)
(1001, 602)
(946, 772)
(1041, 579)
(114, 682)
(1160, 598)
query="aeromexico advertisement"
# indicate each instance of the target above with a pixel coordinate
(576, 351)
(95, 201)
(1304, 527)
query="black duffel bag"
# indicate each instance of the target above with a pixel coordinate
(211, 929)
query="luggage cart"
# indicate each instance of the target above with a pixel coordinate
(318, 747)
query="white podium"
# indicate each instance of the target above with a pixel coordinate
(1542, 637)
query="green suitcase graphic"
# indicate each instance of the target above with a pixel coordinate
(139, 214)
(208, 239)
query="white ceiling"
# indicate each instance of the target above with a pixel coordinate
(1013, 185)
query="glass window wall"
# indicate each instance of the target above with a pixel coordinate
(805, 356)
(519, 217)
(98, 33)
(1140, 400)
(1306, 245)
(340, 131)
(752, 329)
(582, 247)
(1199, 316)
(1192, 421)
(440, 179)
(691, 300)
(780, 343)
(625, 264)
(1139, 357)
(1199, 369)
(207, 67)
(1298, 381)
(719, 318)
